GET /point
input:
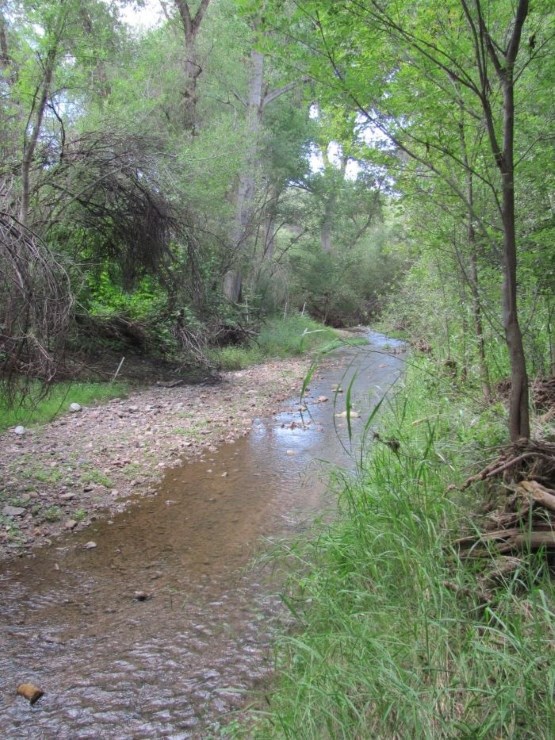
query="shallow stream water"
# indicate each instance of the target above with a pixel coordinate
(182, 662)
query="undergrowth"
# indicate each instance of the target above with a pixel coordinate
(391, 639)
(36, 408)
(278, 338)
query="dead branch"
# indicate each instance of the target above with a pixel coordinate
(35, 307)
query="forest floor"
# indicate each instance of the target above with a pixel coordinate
(60, 476)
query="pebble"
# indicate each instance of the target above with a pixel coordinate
(20, 431)
(74, 407)
(89, 545)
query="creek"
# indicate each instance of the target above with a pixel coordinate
(164, 629)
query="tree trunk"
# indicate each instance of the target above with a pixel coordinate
(519, 419)
(192, 67)
(33, 130)
(244, 196)
(504, 62)
(326, 226)
(477, 315)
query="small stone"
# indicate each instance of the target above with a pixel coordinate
(70, 525)
(322, 399)
(142, 596)
(89, 545)
(20, 431)
(224, 475)
(67, 496)
(75, 407)
(132, 409)
(13, 511)
(291, 452)
(30, 691)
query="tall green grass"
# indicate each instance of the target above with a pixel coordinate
(279, 338)
(36, 408)
(391, 640)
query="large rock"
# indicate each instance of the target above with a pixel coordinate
(13, 510)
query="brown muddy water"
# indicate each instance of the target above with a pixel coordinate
(184, 661)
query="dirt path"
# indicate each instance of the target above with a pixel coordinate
(59, 477)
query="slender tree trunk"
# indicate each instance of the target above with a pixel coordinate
(474, 287)
(326, 226)
(519, 420)
(503, 61)
(33, 131)
(477, 315)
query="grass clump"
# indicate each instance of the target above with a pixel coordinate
(35, 408)
(279, 337)
(392, 639)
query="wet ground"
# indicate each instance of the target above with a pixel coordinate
(163, 629)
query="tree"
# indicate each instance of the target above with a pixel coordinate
(469, 53)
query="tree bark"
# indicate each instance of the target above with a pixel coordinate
(192, 67)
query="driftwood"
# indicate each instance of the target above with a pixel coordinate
(529, 527)
(525, 519)
(526, 459)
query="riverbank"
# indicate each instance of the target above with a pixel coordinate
(61, 476)
(394, 634)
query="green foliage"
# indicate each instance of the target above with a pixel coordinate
(293, 335)
(144, 302)
(390, 638)
(350, 284)
(288, 336)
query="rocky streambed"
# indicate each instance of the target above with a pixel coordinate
(59, 476)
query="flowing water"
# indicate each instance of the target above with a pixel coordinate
(181, 662)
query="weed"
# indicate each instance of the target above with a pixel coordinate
(45, 475)
(93, 475)
(52, 514)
